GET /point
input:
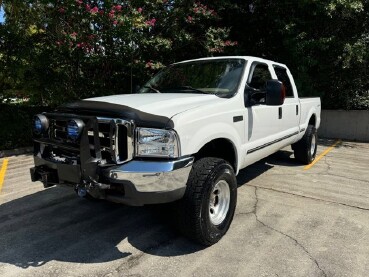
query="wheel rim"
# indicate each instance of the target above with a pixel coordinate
(219, 202)
(313, 145)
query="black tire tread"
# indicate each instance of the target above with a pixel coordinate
(190, 206)
(302, 147)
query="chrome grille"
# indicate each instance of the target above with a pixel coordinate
(109, 129)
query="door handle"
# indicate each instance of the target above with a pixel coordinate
(297, 109)
(279, 112)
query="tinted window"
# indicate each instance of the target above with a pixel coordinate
(283, 77)
(259, 77)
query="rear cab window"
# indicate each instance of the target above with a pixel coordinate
(282, 76)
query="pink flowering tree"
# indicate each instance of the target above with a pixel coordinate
(82, 48)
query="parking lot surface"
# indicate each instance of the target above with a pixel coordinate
(289, 221)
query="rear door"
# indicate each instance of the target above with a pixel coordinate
(291, 107)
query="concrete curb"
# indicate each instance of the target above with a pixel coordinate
(16, 152)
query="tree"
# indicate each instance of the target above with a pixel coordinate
(325, 43)
(63, 50)
(55, 51)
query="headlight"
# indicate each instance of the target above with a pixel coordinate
(75, 129)
(40, 124)
(157, 143)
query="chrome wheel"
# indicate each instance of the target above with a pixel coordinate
(219, 202)
(313, 145)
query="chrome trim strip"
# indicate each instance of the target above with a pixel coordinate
(270, 143)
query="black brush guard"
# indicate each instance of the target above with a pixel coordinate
(87, 168)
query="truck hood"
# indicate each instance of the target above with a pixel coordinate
(164, 104)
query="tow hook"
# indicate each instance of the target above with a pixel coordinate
(93, 184)
(81, 192)
(91, 187)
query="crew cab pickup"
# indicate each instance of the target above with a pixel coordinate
(183, 138)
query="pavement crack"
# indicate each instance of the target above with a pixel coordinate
(327, 163)
(284, 234)
(345, 177)
(326, 171)
(313, 198)
(244, 213)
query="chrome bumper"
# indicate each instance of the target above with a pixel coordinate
(153, 176)
(136, 183)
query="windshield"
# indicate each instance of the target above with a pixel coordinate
(220, 77)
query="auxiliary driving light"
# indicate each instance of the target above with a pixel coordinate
(75, 129)
(40, 124)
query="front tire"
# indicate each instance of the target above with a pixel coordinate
(207, 208)
(305, 149)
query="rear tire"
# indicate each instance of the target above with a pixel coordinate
(207, 208)
(305, 149)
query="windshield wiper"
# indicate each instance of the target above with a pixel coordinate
(189, 88)
(152, 88)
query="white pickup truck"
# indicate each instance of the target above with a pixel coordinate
(183, 138)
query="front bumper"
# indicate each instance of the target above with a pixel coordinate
(136, 183)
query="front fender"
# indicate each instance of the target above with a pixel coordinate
(193, 138)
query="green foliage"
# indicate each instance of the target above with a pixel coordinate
(16, 125)
(325, 44)
(57, 51)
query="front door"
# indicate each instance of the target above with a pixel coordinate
(269, 128)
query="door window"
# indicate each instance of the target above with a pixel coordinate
(282, 76)
(260, 75)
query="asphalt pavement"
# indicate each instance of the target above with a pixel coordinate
(290, 221)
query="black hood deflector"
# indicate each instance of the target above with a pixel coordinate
(104, 109)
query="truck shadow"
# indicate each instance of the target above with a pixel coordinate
(56, 225)
(280, 158)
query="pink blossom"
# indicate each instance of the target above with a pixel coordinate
(139, 10)
(118, 7)
(88, 7)
(79, 2)
(111, 15)
(94, 10)
(74, 34)
(189, 19)
(151, 22)
(149, 64)
(115, 22)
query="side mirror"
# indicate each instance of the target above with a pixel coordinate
(275, 93)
